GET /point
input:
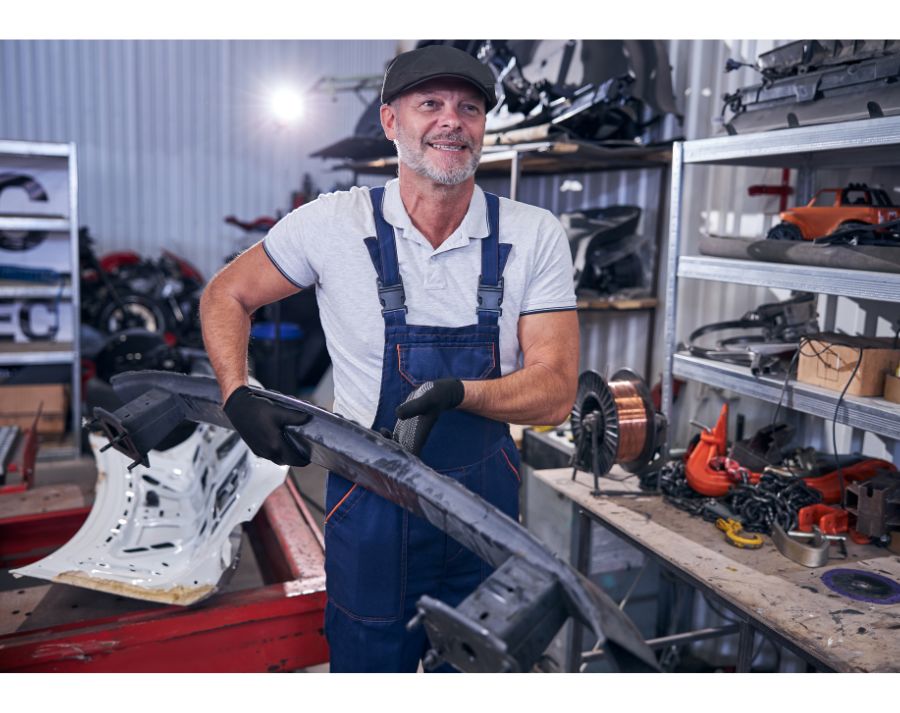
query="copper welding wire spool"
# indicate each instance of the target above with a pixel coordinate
(622, 413)
(633, 420)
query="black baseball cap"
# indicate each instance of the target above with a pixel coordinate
(419, 65)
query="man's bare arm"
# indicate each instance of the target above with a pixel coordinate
(236, 292)
(542, 392)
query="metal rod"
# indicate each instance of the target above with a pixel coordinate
(683, 638)
(515, 173)
(634, 584)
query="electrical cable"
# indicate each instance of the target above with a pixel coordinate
(829, 348)
(837, 406)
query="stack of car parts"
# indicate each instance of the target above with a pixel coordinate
(595, 90)
(767, 334)
(816, 82)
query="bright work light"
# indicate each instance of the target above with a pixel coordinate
(287, 105)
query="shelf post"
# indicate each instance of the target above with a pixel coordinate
(675, 198)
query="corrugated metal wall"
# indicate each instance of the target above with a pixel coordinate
(173, 136)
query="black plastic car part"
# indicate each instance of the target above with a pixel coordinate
(14, 240)
(507, 622)
(816, 82)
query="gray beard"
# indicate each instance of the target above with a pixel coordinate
(413, 155)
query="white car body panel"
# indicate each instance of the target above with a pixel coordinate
(164, 533)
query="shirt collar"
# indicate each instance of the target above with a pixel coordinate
(473, 226)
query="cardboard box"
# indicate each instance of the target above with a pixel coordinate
(892, 388)
(19, 404)
(828, 360)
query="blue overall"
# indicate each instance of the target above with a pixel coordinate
(380, 558)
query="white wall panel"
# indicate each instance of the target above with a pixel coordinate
(175, 135)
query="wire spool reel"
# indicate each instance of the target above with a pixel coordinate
(613, 423)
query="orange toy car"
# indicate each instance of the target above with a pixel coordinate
(831, 209)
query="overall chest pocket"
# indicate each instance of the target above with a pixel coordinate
(419, 363)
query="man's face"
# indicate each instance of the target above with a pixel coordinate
(438, 129)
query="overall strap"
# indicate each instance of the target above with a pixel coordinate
(493, 260)
(383, 253)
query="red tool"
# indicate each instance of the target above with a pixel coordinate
(830, 486)
(830, 520)
(707, 469)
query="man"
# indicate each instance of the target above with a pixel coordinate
(426, 284)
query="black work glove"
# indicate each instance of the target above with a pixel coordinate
(421, 409)
(261, 421)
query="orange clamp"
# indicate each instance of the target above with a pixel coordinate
(830, 520)
(707, 469)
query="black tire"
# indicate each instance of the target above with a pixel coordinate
(143, 313)
(785, 231)
(853, 225)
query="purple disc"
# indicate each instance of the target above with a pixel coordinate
(862, 586)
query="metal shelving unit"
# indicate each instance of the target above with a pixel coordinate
(868, 413)
(59, 159)
(873, 142)
(15, 222)
(13, 291)
(37, 353)
(825, 280)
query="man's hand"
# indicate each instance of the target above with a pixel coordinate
(259, 421)
(421, 410)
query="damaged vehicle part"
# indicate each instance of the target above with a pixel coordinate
(816, 82)
(168, 531)
(596, 90)
(768, 333)
(606, 253)
(472, 637)
(21, 240)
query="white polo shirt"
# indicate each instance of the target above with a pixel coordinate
(321, 244)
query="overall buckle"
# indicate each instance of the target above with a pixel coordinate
(392, 298)
(490, 297)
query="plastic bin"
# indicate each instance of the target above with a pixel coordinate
(280, 375)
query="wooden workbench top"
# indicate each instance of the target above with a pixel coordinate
(843, 633)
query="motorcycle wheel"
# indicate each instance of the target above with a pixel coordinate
(139, 312)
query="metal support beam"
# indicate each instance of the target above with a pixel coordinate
(581, 560)
(745, 648)
(675, 193)
(515, 173)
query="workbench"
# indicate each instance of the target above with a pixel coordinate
(765, 591)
